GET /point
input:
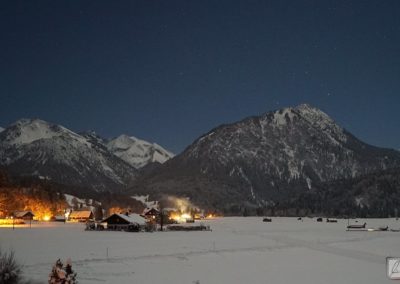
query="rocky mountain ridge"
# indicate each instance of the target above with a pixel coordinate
(50, 151)
(263, 160)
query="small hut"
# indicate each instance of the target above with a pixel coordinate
(24, 215)
(125, 222)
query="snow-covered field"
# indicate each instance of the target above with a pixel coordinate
(237, 250)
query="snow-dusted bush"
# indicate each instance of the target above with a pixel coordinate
(10, 270)
(61, 274)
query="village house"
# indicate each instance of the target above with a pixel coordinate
(150, 213)
(81, 216)
(125, 222)
(24, 215)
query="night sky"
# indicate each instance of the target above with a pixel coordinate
(169, 71)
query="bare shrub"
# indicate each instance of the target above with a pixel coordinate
(10, 270)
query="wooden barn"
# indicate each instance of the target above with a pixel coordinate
(125, 222)
(24, 215)
(81, 216)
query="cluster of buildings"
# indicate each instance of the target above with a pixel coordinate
(147, 221)
(22, 217)
(131, 222)
(117, 221)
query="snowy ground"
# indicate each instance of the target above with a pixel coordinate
(237, 250)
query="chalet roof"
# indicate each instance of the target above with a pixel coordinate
(150, 210)
(81, 214)
(20, 214)
(131, 218)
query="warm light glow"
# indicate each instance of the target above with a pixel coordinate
(186, 216)
(6, 221)
(10, 222)
(116, 210)
(46, 218)
(180, 217)
(174, 216)
(210, 216)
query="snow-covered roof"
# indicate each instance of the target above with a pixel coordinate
(80, 214)
(149, 209)
(20, 214)
(134, 218)
(131, 218)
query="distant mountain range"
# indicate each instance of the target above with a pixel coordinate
(290, 160)
(50, 151)
(265, 160)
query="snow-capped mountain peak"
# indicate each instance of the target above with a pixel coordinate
(26, 131)
(267, 158)
(39, 148)
(1, 129)
(320, 120)
(312, 116)
(137, 152)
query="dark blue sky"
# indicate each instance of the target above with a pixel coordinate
(169, 71)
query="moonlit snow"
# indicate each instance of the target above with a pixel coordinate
(237, 250)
